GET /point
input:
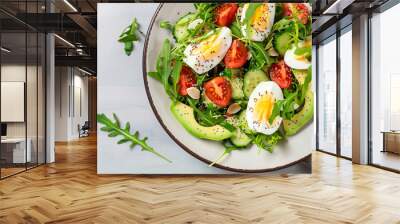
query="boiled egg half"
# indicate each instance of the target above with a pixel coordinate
(259, 108)
(296, 61)
(260, 23)
(208, 52)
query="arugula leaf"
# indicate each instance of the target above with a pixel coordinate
(129, 36)
(303, 51)
(176, 71)
(235, 29)
(154, 75)
(210, 116)
(225, 153)
(166, 25)
(304, 87)
(267, 142)
(114, 129)
(276, 111)
(165, 62)
(229, 147)
(227, 73)
(260, 57)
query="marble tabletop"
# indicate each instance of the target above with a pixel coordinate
(121, 91)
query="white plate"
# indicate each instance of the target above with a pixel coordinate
(287, 153)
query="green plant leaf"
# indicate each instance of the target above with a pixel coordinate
(114, 129)
(129, 35)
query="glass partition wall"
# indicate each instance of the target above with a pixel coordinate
(385, 90)
(334, 93)
(22, 98)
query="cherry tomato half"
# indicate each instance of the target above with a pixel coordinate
(186, 79)
(219, 91)
(237, 55)
(281, 74)
(225, 13)
(298, 9)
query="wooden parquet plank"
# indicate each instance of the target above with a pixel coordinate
(70, 191)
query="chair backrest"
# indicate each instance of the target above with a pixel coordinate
(86, 125)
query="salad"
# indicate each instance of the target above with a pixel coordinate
(239, 73)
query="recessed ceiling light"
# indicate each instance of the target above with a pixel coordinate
(64, 40)
(84, 71)
(70, 5)
(5, 50)
(337, 7)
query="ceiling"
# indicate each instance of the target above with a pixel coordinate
(76, 22)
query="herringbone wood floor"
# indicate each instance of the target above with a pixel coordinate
(69, 191)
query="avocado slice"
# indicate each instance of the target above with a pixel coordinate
(184, 114)
(300, 119)
(300, 75)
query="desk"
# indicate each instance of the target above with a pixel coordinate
(391, 141)
(18, 149)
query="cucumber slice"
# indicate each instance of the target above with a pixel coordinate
(237, 88)
(181, 27)
(239, 138)
(282, 42)
(252, 79)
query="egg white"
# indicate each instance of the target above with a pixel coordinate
(262, 89)
(293, 61)
(258, 35)
(205, 54)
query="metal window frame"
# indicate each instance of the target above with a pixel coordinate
(339, 32)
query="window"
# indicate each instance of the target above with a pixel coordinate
(22, 78)
(346, 92)
(385, 89)
(327, 95)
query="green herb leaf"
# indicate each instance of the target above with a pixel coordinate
(267, 142)
(166, 25)
(235, 29)
(229, 147)
(165, 66)
(176, 71)
(129, 36)
(306, 51)
(114, 129)
(154, 75)
(227, 73)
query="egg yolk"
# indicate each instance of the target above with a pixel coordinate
(263, 108)
(301, 58)
(260, 20)
(209, 47)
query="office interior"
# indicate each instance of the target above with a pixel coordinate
(48, 83)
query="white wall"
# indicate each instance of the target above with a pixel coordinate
(33, 126)
(69, 84)
(17, 73)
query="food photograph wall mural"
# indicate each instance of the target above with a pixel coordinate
(205, 88)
